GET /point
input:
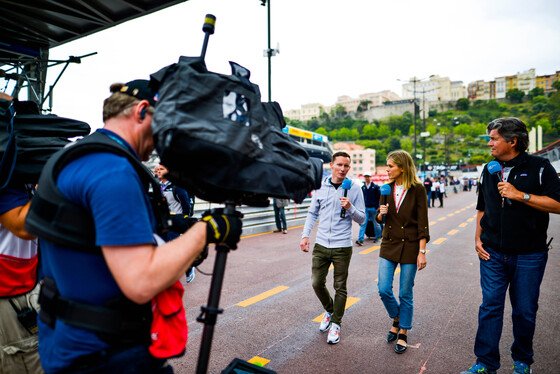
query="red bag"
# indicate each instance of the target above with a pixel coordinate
(169, 330)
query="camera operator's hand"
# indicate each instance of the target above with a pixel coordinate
(223, 228)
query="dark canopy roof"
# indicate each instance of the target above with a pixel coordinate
(29, 26)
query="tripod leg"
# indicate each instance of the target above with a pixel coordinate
(212, 309)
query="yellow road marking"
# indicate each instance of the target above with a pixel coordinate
(470, 219)
(259, 361)
(450, 214)
(433, 223)
(349, 302)
(440, 240)
(452, 232)
(463, 224)
(262, 296)
(369, 250)
(457, 211)
(442, 218)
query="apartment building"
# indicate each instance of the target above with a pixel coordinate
(314, 110)
(545, 81)
(497, 89)
(436, 88)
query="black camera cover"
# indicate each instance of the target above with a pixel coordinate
(220, 141)
(28, 139)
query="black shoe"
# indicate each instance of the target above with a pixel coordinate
(401, 348)
(392, 336)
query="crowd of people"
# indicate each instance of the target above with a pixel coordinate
(109, 216)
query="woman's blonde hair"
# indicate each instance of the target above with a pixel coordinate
(403, 160)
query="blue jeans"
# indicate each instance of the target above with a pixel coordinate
(405, 307)
(280, 218)
(370, 216)
(523, 274)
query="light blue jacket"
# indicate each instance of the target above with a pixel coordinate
(334, 231)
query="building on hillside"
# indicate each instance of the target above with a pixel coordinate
(497, 89)
(545, 81)
(435, 89)
(362, 160)
(375, 99)
(306, 112)
(314, 110)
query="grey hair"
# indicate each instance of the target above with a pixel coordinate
(509, 128)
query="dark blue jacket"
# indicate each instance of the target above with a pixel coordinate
(371, 195)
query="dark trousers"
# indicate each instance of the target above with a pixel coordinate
(322, 260)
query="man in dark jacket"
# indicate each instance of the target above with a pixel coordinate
(511, 241)
(372, 194)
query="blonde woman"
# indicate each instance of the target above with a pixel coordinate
(403, 243)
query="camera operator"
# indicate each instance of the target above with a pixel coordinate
(132, 266)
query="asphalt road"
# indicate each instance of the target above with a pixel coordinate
(270, 309)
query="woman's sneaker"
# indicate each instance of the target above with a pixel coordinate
(326, 322)
(334, 334)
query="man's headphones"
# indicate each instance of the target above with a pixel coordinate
(143, 114)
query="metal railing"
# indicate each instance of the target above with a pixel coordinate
(257, 220)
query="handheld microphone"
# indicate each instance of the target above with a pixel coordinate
(346, 185)
(495, 168)
(385, 191)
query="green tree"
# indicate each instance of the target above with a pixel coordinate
(515, 95)
(369, 131)
(462, 129)
(537, 91)
(344, 133)
(556, 85)
(463, 104)
(322, 131)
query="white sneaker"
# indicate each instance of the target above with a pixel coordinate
(326, 322)
(190, 276)
(334, 334)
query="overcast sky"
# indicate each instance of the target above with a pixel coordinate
(327, 48)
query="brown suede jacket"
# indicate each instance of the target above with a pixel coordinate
(403, 230)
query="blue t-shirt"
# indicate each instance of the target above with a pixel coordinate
(11, 198)
(108, 186)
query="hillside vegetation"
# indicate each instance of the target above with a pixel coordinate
(456, 136)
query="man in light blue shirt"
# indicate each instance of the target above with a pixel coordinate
(337, 207)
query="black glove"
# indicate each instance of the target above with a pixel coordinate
(222, 228)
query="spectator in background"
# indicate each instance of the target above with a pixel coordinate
(428, 186)
(441, 192)
(372, 194)
(179, 207)
(435, 191)
(280, 215)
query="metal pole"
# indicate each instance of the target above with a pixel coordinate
(269, 53)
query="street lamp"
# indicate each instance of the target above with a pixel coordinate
(269, 52)
(414, 80)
